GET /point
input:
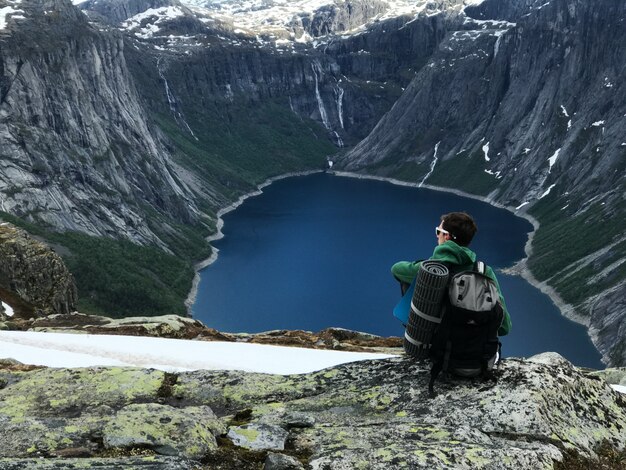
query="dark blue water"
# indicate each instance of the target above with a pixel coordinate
(315, 251)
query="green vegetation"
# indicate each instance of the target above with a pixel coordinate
(240, 145)
(464, 172)
(411, 171)
(564, 238)
(119, 278)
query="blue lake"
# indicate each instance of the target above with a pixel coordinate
(315, 251)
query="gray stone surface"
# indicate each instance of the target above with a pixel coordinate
(258, 436)
(372, 414)
(129, 463)
(281, 462)
(188, 432)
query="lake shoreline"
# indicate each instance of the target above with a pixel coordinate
(519, 268)
(191, 297)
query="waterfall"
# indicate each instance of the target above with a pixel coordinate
(339, 141)
(171, 100)
(432, 164)
(339, 94)
(316, 67)
(496, 46)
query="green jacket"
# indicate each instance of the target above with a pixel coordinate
(450, 252)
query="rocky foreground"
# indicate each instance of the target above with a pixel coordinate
(541, 413)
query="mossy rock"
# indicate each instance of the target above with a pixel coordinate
(188, 432)
(72, 392)
(130, 463)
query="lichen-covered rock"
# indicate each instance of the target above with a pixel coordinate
(164, 326)
(74, 392)
(281, 462)
(378, 414)
(259, 436)
(174, 326)
(129, 463)
(540, 413)
(188, 432)
(36, 274)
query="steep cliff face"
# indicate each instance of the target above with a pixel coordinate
(77, 150)
(523, 102)
(37, 276)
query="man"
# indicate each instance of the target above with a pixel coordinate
(454, 234)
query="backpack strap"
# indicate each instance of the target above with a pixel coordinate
(480, 267)
(434, 373)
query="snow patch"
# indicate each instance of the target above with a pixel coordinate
(547, 191)
(522, 205)
(486, 151)
(598, 123)
(82, 350)
(150, 29)
(8, 310)
(473, 3)
(552, 159)
(9, 10)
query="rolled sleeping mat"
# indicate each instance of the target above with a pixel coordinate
(426, 306)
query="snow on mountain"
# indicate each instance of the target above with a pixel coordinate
(281, 17)
(172, 355)
(146, 29)
(9, 12)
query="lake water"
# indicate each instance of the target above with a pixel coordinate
(315, 251)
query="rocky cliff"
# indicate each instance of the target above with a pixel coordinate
(541, 413)
(78, 151)
(34, 281)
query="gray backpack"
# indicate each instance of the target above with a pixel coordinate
(466, 341)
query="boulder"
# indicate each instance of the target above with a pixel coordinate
(259, 436)
(188, 432)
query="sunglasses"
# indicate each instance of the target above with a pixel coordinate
(439, 231)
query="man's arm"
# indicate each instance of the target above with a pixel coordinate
(505, 328)
(405, 271)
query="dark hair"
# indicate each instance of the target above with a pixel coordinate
(461, 227)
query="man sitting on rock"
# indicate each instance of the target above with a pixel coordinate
(454, 234)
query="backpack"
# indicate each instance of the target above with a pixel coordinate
(466, 342)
